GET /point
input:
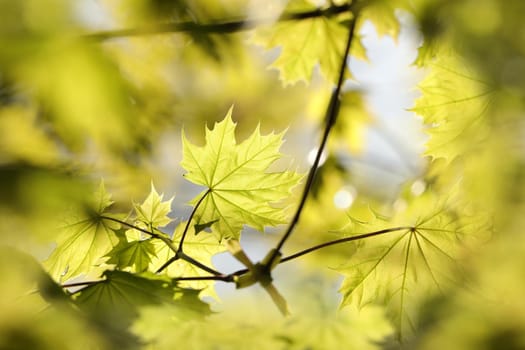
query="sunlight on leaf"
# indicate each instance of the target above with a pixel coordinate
(306, 43)
(401, 269)
(454, 106)
(153, 212)
(240, 191)
(132, 252)
(87, 233)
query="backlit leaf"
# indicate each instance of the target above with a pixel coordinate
(119, 297)
(240, 191)
(400, 269)
(132, 252)
(83, 242)
(454, 106)
(306, 43)
(153, 212)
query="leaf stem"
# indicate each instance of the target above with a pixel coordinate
(80, 284)
(330, 119)
(224, 27)
(185, 232)
(223, 278)
(169, 243)
(344, 240)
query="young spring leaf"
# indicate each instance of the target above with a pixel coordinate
(84, 241)
(239, 190)
(382, 14)
(132, 253)
(153, 212)
(306, 43)
(454, 105)
(402, 268)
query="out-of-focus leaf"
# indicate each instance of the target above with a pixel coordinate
(121, 294)
(402, 268)
(382, 13)
(306, 43)
(454, 106)
(24, 140)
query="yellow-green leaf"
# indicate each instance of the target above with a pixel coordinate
(85, 240)
(132, 252)
(239, 189)
(454, 106)
(306, 43)
(119, 297)
(153, 212)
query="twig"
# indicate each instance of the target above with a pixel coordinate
(80, 284)
(169, 243)
(330, 118)
(230, 277)
(344, 240)
(181, 242)
(216, 28)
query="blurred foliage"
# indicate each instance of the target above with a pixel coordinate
(81, 102)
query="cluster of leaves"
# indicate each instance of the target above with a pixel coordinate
(417, 270)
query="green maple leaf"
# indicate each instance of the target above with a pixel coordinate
(82, 243)
(454, 107)
(119, 297)
(132, 252)
(239, 190)
(200, 247)
(382, 14)
(402, 269)
(306, 43)
(153, 212)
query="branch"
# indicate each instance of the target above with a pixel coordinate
(344, 240)
(79, 284)
(230, 277)
(179, 249)
(225, 27)
(330, 119)
(169, 243)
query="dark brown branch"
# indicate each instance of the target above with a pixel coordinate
(223, 278)
(224, 27)
(169, 243)
(185, 232)
(230, 277)
(330, 119)
(81, 284)
(344, 240)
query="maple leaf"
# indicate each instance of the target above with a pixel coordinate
(382, 14)
(403, 268)
(153, 212)
(306, 43)
(83, 243)
(454, 106)
(240, 191)
(132, 252)
(120, 295)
